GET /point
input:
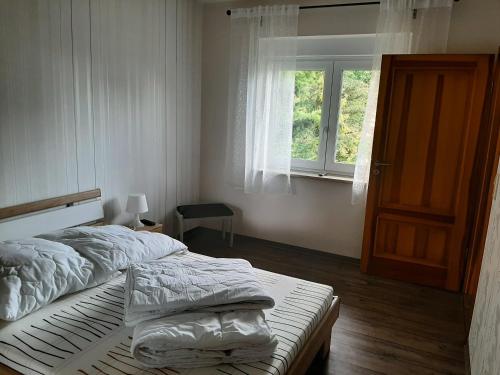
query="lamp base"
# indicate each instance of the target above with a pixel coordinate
(136, 223)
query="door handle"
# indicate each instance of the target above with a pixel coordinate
(377, 164)
(382, 164)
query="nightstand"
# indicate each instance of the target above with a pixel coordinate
(158, 228)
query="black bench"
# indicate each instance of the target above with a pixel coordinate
(204, 211)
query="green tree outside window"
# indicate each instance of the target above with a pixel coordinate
(308, 104)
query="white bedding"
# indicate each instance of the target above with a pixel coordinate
(84, 333)
(200, 339)
(171, 286)
(35, 272)
(115, 247)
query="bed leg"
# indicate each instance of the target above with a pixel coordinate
(325, 347)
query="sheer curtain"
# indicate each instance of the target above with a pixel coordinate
(260, 102)
(404, 26)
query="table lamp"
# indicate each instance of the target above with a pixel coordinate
(137, 204)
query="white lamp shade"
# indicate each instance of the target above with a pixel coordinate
(137, 204)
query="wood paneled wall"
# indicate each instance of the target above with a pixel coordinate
(38, 147)
(89, 97)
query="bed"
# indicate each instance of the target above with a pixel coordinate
(83, 333)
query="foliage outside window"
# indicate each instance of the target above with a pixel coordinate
(354, 94)
(329, 105)
(307, 114)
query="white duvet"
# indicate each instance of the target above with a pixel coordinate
(192, 313)
(202, 339)
(168, 287)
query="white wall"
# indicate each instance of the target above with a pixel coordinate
(100, 93)
(320, 215)
(484, 337)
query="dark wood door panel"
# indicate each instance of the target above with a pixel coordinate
(410, 272)
(409, 239)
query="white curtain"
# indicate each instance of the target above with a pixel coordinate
(260, 103)
(404, 26)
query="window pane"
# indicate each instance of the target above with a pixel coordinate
(353, 96)
(307, 109)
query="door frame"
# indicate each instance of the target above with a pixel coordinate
(374, 182)
(486, 188)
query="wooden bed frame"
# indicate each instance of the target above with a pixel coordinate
(318, 343)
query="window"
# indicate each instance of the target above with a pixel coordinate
(329, 106)
(313, 80)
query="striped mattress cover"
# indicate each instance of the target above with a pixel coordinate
(84, 333)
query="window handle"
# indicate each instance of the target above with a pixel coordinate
(382, 164)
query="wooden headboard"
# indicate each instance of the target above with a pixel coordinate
(33, 218)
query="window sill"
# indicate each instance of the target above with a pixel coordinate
(317, 176)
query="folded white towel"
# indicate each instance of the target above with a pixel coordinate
(157, 289)
(203, 339)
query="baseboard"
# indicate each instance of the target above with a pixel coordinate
(280, 245)
(467, 359)
(468, 304)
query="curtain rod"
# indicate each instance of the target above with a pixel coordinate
(228, 12)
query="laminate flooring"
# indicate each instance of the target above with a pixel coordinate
(384, 327)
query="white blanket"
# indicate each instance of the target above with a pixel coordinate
(203, 339)
(169, 287)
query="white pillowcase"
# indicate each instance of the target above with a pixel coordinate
(115, 247)
(35, 272)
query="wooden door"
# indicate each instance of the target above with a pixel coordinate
(429, 114)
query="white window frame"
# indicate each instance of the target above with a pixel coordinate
(333, 66)
(331, 149)
(327, 67)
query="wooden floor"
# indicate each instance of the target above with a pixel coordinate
(385, 326)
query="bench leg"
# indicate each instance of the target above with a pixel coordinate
(231, 235)
(181, 229)
(223, 229)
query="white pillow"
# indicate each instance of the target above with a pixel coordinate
(35, 272)
(115, 247)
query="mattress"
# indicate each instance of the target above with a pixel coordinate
(84, 333)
